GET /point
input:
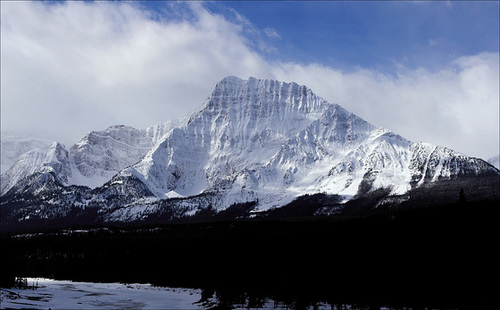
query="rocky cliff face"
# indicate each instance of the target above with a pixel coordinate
(254, 140)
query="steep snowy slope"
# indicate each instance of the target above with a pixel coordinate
(102, 154)
(430, 163)
(54, 159)
(12, 146)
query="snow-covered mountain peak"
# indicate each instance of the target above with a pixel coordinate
(232, 90)
(256, 136)
(243, 124)
(93, 160)
(252, 140)
(51, 159)
(261, 105)
(270, 140)
(13, 146)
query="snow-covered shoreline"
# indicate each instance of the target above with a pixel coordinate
(43, 293)
(63, 294)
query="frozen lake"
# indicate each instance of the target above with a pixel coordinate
(56, 294)
(45, 293)
(52, 294)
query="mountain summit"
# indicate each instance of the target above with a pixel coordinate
(260, 141)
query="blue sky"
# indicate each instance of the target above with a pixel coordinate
(370, 34)
(427, 70)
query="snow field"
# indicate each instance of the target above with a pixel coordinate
(58, 294)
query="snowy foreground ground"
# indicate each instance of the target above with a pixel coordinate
(58, 294)
(55, 294)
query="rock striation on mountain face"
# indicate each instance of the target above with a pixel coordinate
(253, 140)
(101, 154)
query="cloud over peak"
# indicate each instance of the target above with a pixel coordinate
(74, 67)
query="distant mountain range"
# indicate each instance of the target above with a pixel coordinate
(495, 161)
(256, 144)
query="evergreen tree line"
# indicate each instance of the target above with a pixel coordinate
(441, 256)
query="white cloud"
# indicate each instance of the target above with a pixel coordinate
(457, 106)
(434, 42)
(272, 33)
(74, 67)
(84, 66)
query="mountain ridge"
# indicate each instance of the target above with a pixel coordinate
(93, 160)
(253, 140)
